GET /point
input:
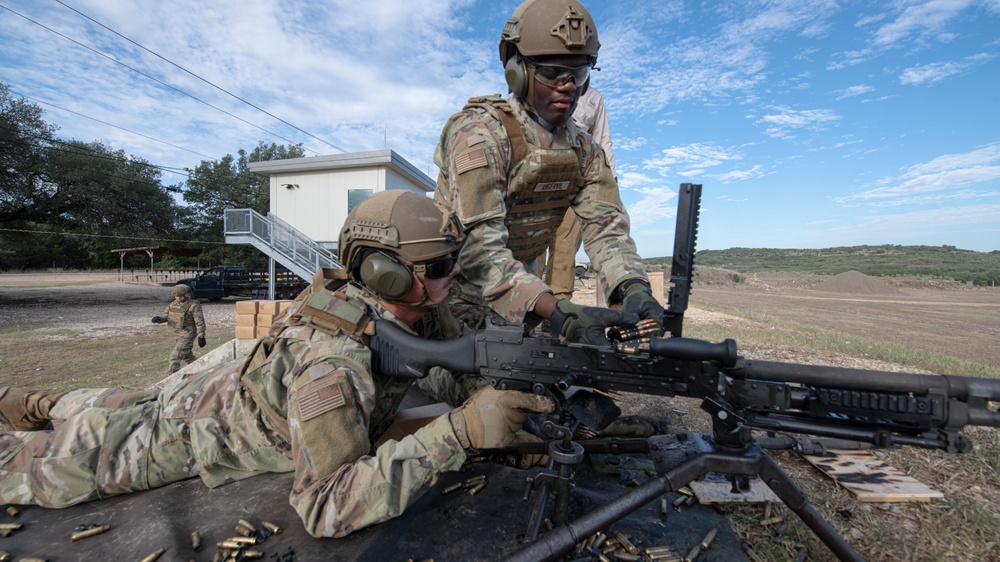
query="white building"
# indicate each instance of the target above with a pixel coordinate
(314, 194)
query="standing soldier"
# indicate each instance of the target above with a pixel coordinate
(509, 168)
(184, 315)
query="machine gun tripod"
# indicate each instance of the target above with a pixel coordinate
(679, 460)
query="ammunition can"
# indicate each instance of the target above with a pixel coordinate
(271, 527)
(89, 532)
(707, 541)
(154, 556)
(196, 541)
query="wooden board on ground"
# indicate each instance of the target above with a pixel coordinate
(870, 479)
(717, 490)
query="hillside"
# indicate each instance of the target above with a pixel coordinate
(943, 262)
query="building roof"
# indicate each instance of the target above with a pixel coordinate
(372, 158)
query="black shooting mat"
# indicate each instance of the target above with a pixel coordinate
(444, 527)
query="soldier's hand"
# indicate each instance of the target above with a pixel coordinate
(159, 320)
(492, 418)
(586, 324)
(201, 341)
(639, 300)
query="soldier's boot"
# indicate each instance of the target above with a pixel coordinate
(24, 409)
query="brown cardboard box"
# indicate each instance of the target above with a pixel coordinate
(246, 319)
(265, 320)
(261, 331)
(283, 306)
(246, 307)
(267, 307)
(246, 332)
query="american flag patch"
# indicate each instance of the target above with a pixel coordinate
(317, 400)
(470, 160)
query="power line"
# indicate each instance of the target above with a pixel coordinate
(115, 126)
(118, 237)
(141, 73)
(200, 78)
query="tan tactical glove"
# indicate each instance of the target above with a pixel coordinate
(492, 418)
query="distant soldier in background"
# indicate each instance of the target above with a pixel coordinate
(184, 315)
(560, 266)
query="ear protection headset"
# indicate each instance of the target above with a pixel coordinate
(384, 276)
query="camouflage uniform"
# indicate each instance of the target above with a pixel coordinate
(188, 322)
(511, 194)
(305, 400)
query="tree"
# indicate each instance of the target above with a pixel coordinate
(24, 135)
(215, 186)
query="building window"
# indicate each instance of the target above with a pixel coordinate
(355, 196)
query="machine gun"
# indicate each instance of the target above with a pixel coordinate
(886, 409)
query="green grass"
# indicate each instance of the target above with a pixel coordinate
(772, 332)
(61, 360)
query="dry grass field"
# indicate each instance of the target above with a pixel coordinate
(61, 331)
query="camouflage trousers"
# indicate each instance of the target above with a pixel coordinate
(184, 349)
(104, 442)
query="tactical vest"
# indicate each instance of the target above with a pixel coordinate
(541, 184)
(177, 313)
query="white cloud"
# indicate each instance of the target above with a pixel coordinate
(739, 175)
(922, 18)
(692, 159)
(655, 204)
(852, 91)
(933, 72)
(950, 176)
(784, 119)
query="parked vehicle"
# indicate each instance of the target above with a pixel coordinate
(237, 281)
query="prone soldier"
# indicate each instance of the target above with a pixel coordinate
(307, 398)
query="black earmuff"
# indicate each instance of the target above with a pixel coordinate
(385, 276)
(516, 74)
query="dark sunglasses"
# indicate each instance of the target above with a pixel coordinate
(555, 75)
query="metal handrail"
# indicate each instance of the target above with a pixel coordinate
(280, 241)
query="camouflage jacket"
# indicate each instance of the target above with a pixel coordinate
(306, 400)
(511, 199)
(186, 315)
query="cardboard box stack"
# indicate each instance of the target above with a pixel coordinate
(254, 318)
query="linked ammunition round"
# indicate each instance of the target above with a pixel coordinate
(89, 532)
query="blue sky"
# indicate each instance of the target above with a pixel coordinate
(810, 123)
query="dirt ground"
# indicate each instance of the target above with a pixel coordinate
(935, 316)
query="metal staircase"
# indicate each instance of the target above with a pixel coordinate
(279, 240)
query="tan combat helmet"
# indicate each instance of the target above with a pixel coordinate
(181, 289)
(541, 28)
(402, 223)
